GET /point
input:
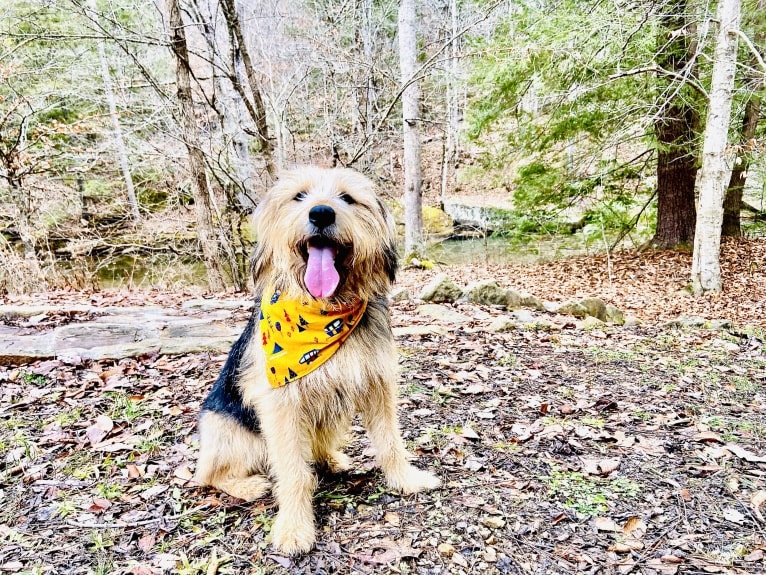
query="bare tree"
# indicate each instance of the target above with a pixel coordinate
(715, 171)
(211, 249)
(732, 204)
(449, 159)
(413, 179)
(253, 103)
(119, 142)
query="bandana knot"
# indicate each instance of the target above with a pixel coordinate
(299, 335)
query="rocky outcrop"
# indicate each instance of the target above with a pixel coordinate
(441, 289)
(116, 333)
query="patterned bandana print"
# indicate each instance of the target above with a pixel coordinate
(300, 335)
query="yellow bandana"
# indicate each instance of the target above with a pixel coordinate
(298, 336)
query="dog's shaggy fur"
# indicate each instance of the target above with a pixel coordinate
(251, 433)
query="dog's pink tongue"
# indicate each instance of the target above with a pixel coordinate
(321, 276)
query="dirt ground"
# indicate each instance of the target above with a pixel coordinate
(562, 450)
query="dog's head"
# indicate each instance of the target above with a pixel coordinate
(325, 232)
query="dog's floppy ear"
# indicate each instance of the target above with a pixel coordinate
(390, 261)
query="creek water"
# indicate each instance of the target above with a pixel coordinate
(169, 270)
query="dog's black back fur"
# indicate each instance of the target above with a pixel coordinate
(225, 397)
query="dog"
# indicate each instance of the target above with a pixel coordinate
(317, 349)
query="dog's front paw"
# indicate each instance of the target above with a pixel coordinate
(410, 479)
(291, 536)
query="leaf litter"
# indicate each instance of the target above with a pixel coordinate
(561, 450)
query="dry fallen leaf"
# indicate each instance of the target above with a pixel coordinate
(708, 436)
(634, 526)
(756, 555)
(100, 429)
(468, 432)
(605, 524)
(731, 514)
(392, 518)
(743, 453)
(758, 498)
(626, 546)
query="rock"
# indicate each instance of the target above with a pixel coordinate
(493, 522)
(400, 294)
(590, 323)
(488, 293)
(524, 316)
(446, 549)
(126, 333)
(528, 320)
(441, 289)
(613, 315)
(720, 324)
(442, 313)
(685, 321)
(594, 307)
(419, 330)
(572, 307)
(490, 555)
(501, 324)
(13, 312)
(632, 321)
(528, 300)
(436, 223)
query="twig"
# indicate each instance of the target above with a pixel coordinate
(635, 220)
(129, 524)
(608, 253)
(756, 54)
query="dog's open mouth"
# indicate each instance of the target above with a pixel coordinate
(322, 259)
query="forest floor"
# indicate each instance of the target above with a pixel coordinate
(562, 450)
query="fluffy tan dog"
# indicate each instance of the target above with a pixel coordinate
(317, 349)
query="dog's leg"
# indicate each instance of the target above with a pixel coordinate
(379, 418)
(289, 445)
(230, 457)
(327, 444)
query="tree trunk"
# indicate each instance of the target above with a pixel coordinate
(256, 108)
(370, 92)
(449, 159)
(732, 204)
(675, 129)
(211, 251)
(676, 175)
(119, 142)
(413, 179)
(706, 267)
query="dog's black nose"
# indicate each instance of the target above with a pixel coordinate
(322, 216)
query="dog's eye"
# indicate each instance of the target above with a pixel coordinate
(300, 196)
(348, 199)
